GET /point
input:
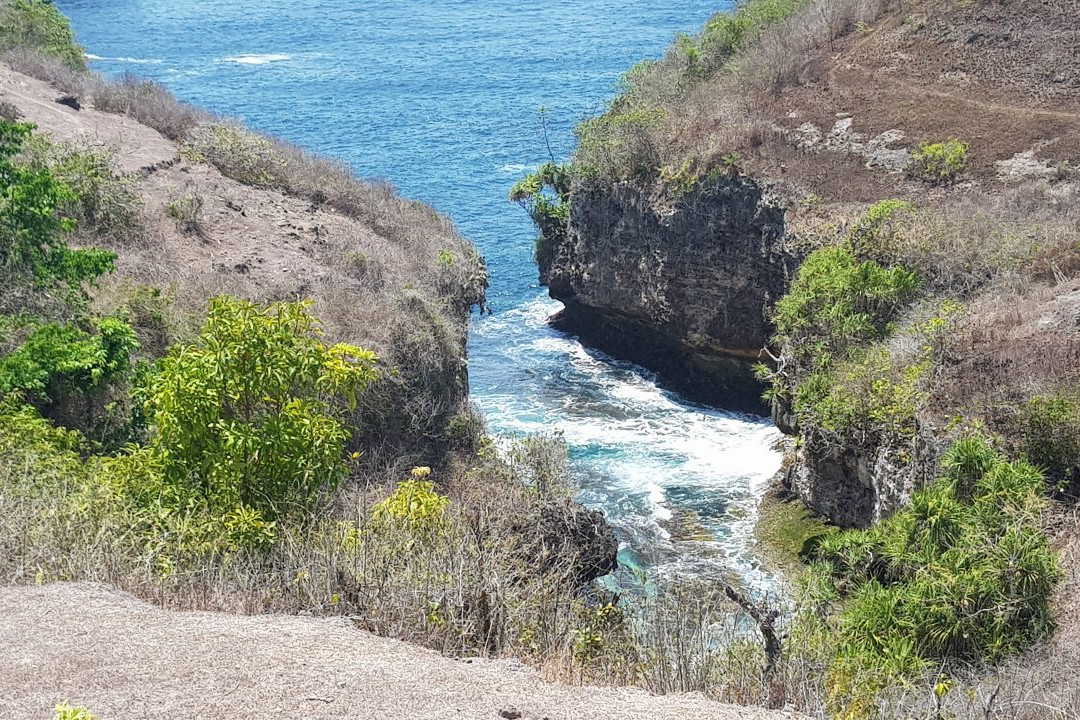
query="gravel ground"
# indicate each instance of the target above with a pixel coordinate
(124, 659)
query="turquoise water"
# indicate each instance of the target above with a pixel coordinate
(443, 100)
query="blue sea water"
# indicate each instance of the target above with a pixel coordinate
(443, 99)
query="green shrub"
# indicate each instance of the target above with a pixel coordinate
(874, 393)
(248, 414)
(1050, 437)
(102, 202)
(873, 232)
(940, 162)
(238, 153)
(67, 712)
(59, 360)
(414, 505)
(545, 195)
(836, 302)
(186, 210)
(962, 573)
(619, 144)
(727, 33)
(870, 395)
(31, 229)
(38, 25)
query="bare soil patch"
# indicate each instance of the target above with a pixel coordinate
(124, 659)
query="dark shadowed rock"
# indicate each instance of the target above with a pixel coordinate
(678, 285)
(568, 529)
(70, 101)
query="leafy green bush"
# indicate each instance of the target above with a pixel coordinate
(836, 301)
(545, 195)
(940, 162)
(38, 25)
(102, 202)
(963, 573)
(414, 504)
(58, 360)
(727, 33)
(31, 230)
(247, 415)
(875, 393)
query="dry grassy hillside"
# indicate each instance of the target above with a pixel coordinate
(208, 208)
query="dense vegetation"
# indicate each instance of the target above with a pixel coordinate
(219, 471)
(963, 573)
(894, 358)
(214, 456)
(39, 25)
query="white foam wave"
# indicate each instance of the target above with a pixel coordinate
(516, 168)
(134, 61)
(252, 59)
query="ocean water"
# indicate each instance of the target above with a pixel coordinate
(444, 100)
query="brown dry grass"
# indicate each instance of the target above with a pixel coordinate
(384, 272)
(930, 70)
(694, 122)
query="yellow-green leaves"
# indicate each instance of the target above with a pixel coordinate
(940, 162)
(414, 505)
(67, 712)
(248, 416)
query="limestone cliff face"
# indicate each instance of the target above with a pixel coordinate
(683, 287)
(857, 485)
(678, 285)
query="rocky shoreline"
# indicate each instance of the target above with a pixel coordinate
(678, 285)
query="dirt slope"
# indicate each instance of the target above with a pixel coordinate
(1004, 77)
(124, 659)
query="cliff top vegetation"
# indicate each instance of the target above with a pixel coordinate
(862, 84)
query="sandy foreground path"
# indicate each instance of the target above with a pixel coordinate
(127, 660)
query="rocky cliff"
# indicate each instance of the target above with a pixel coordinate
(700, 191)
(679, 285)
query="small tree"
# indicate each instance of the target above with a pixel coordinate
(545, 195)
(38, 25)
(248, 415)
(32, 233)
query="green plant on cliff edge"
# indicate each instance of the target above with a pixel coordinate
(1049, 434)
(964, 573)
(38, 25)
(838, 301)
(545, 195)
(940, 162)
(68, 712)
(31, 229)
(247, 417)
(57, 360)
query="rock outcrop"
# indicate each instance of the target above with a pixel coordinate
(682, 282)
(677, 285)
(856, 486)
